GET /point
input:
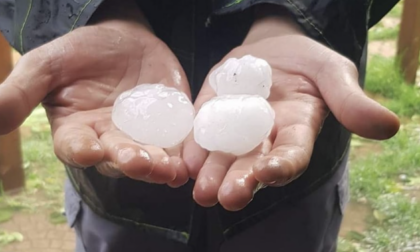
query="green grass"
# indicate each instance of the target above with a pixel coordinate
(44, 178)
(377, 174)
(383, 33)
(397, 10)
(385, 79)
(390, 182)
(44, 173)
(388, 177)
(379, 32)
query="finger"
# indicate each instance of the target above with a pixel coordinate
(181, 172)
(23, 90)
(337, 80)
(338, 83)
(239, 185)
(147, 163)
(77, 145)
(193, 155)
(336, 77)
(211, 177)
(37, 73)
(176, 161)
(285, 162)
(175, 151)
(295, 137)
(109, 169)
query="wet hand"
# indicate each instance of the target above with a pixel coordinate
(309, 81)
(77, 78)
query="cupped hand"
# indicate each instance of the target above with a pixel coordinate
(77, 78)
(309, 81)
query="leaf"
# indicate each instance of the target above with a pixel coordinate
(26, 165)
(395, 188)
(57, 218)
(379, 216)
(7, 238)
(415, 118)
(355, 236)
(5, 215)
(356, 143)
(346, 246)
(16, 205)
(414, 181)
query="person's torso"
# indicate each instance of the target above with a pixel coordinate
(200, 40)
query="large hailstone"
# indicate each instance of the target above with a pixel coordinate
(233, 124)
(154, 114)
(247, 75)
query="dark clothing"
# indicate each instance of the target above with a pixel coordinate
(29, 23)
(200, 33)
(310, 224)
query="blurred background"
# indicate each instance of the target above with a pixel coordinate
(384, 212)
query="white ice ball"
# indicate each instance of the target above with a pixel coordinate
(154, 114)
(247, 75)
(233, 124)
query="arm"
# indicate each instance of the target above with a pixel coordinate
(341, 25)
(310, 81)
(78, 76)
(30, 24)
(120, 15)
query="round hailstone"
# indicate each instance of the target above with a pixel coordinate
(247, 75)
(233, 124)
(154, 114)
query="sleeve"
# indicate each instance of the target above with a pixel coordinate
(316, 15)
(379, 10)
(340, 24)
(27, 24)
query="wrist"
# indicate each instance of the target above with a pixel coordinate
(272, 21)
(124, 16)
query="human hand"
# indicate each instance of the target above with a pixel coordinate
(77, 78)
(309, 80)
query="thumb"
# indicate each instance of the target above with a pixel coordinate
(46, 68)
(337, 80)
(193, 154)
(336, 77)
(25, 88)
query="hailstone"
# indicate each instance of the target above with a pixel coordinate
(233, 124)
(247, 75)
(154, 114)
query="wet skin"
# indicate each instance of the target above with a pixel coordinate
(76, 79)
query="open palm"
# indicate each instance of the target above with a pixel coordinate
(78, 77)
(308, 81)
